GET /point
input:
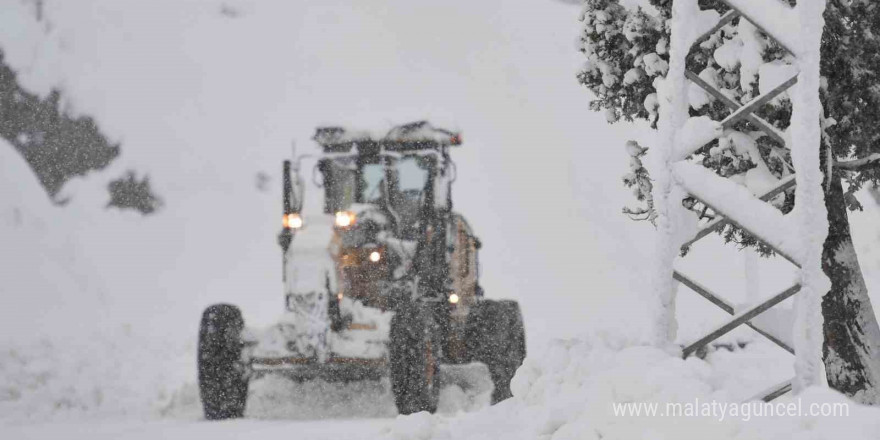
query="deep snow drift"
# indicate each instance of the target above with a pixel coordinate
(568, 392)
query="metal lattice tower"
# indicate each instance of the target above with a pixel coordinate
(683, 178)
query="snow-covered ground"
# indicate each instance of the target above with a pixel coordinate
(100, 311)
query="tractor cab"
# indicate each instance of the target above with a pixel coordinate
(387, 194)
(398, 186)
(404, 175)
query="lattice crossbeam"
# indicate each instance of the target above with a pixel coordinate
(763, 125)
(720, 221)
(740, 319)
(753, 105)
(725, 19)
(784, 254)
(723, 196)
(774, 391)
(727, 307)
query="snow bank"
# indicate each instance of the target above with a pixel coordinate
(568, 390)
(110, 374)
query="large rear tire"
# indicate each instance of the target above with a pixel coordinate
(495, 335)
(414, 354)
(222, 385)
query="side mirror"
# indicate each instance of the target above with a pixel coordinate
(287, 189)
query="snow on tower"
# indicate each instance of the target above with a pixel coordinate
(797, 237)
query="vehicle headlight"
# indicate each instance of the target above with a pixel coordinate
(375, 256)
(292, 221)
(453, 299)
(344, 219)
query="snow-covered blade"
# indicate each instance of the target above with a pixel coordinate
(304, 330)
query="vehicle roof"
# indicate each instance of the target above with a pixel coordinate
(420, 135)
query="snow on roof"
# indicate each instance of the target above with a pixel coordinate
(422, 131)
(414, 135)
(338, 135)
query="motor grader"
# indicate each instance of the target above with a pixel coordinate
(383, 283)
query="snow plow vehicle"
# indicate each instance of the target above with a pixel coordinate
(383, 283)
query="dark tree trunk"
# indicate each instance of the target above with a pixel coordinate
(851, 350)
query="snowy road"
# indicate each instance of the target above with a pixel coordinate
(275, 407)
(173, 430)
(38, 401)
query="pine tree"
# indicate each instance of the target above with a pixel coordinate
(626, 51)
(128, 192)
(58, 146)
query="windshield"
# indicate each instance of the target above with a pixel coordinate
(407, 196)
(347, 184)
(410, 175)
(372, 178)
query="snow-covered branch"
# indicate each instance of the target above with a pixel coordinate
(862, 164)
(640, 181)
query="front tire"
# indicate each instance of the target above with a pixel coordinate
(222, 385)
(414, 355)
(495, 335)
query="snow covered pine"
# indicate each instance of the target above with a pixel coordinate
(742, 69)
